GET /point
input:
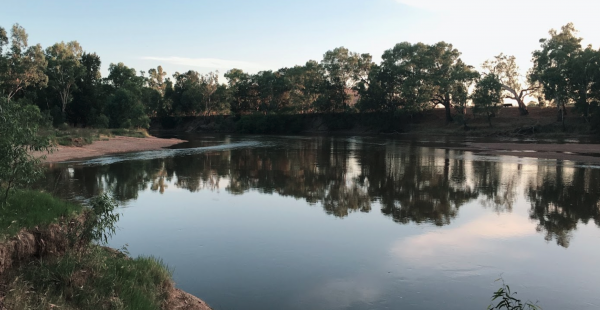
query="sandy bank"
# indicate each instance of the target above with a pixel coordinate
(111, 146)
(589, 153)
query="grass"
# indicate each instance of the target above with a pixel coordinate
(96, 279)
(69, 136)
(83, 277)
(28, 209)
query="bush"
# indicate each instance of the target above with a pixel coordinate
(18, 139)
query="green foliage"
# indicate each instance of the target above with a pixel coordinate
(98, 224)
(553, 66)
(487, 97)
(19, 126)
(126, 110)
(21, 66)
(96, 278)
(28, 209)
(64, 69)
(505, 299)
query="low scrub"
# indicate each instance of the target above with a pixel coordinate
(98, 278)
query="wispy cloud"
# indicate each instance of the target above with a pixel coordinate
(212, 63)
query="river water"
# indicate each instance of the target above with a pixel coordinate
(263, 222)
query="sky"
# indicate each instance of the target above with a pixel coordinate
(260, 35)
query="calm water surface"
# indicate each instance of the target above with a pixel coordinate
(257, 222)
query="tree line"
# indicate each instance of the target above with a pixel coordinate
(64, 81)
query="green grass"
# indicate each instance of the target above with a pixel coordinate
(28, 209)
(97, 279)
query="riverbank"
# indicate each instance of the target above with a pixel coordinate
(588, 153)
(540, 122)
(48, 260)
(111, 145)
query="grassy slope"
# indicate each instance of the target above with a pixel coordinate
(28, 209)
(94, 278)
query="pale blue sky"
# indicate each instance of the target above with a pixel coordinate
(267, 34)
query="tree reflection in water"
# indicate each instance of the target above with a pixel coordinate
(412, 184)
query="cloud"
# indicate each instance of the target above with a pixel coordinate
(213, 63)
(469, 239)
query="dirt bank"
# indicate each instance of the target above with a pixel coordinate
(111, 146)
(588, 153)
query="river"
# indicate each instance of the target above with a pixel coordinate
(304, 222)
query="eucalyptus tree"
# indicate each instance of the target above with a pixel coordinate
(585, 80)
(447, 76)
(87, 107)
(64, 69)
(22, 65)
(552, 66)
(187, 93)
(125, 106)
(273, 90)
(209, 85)
(487, 96)
(506, 70)
(417, 75)
(306, 85)
(343, 70)
(119, 75)
(156, 79)
(401, 79)
(242, 90)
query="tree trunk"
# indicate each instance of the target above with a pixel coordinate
(522, 107)
(563, 113)
(449, 118)
(490, 120)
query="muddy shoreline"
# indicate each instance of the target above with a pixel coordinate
(113, 145)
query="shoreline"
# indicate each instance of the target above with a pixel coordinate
(114, 145)
(578, 152)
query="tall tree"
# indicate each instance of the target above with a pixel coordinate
(487, 96)
(585, 80)
(23, 65)
(209, 85)
(447, 75)
(306, 83)
(552, 66)
(505, 68)
(63, 70)
(88, 101)
(156, 79)
(240, 85)
(344, 69)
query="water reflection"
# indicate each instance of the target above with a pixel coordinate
(410, 183)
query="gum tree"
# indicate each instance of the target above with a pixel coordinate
(506, 70)
(22, 65)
